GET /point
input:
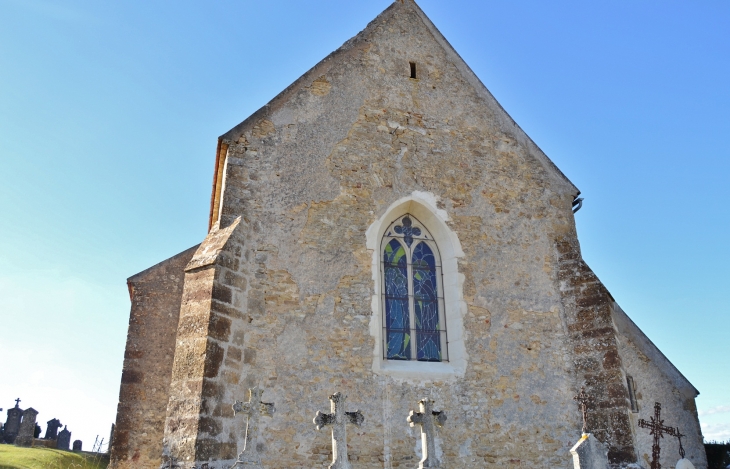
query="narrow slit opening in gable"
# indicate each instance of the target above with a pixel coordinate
(413, 70)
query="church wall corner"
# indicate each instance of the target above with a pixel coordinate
(148, 361)
(207, 353)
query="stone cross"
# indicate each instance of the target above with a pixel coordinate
(339, 419)
(427, 418)
(657, 428)
(583, 400)
(253, 409)
(17, 402)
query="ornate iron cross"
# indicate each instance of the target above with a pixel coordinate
(254, 408)
(657, 428)
(339, 419)
(427, 418)
(583, 400)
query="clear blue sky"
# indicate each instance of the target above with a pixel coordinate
(110, 111)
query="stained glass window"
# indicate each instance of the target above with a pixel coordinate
(397, 314)
(414, 322)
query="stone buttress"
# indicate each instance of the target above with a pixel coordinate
(205, 373)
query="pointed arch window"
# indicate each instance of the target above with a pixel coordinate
(414, 325)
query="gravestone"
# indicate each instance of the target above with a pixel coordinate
(589, 453)
(427, 419)
(12, 423)
(339, 419)
(52, 429)
(26, 433)
(64, 439)
(37, 431)
(77, 445)
(253, 409)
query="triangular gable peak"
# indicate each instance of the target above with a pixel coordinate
(356, 46)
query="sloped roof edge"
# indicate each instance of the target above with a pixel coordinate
(138, 276)
(630, 330)
(484, 92)
(351, 46)
(318, 70)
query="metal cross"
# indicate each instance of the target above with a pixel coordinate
(254, 408)
(17, 401)
(679, 436)
(339, 419)
(657, 428)
(583, 400)
(427, 418)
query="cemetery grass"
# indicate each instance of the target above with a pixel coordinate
(12, 457)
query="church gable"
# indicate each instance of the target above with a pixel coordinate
(400, 77)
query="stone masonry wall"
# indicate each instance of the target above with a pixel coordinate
(598, 366)
(155, 295)
(678, 409)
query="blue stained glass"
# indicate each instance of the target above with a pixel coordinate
(397, 315)
(425, 296)
(408, 231)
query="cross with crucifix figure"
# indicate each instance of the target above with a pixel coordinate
(583, 400)
(254, 408)
(657, 428)
(339, 419)
(427, 418)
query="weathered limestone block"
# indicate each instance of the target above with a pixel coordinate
(589, 453)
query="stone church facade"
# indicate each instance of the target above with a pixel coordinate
(383, 228)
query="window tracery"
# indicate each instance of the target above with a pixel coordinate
(414, 325)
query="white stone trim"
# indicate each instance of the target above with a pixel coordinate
(422, 205)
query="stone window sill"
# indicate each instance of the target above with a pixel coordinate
(416, 371)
